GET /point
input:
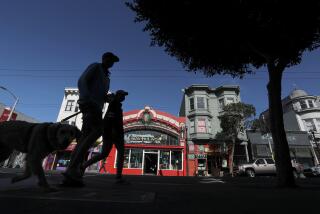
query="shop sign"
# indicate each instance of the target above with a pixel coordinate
(201, 156)
(145, 138)
(190, 156)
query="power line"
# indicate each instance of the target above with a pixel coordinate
(150, 77)
(136, 70)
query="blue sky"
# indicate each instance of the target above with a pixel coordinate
(45, 45)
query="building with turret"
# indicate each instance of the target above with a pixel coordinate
(301, 114)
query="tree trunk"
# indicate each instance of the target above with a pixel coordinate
(231, 157)
(285, 176)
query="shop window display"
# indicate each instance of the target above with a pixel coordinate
(126, 158)
(63, 160)
(164, 159)
(136, 158)
(176, 160)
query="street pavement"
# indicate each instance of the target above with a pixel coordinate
(155, 194)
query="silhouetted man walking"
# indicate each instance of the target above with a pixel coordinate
(93, 87)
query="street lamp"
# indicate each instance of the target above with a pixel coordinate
(15, 103)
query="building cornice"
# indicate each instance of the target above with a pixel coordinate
(204, 87)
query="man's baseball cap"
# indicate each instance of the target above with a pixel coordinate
(122, 92)
(111, 56)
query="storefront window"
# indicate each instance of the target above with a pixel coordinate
(63, 159)
(201, 166)
(136, 158)
(261, 150)
(164, 159)
(176, 160)
(126, 158)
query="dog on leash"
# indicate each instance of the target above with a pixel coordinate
(37, 140)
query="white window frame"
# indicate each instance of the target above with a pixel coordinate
(317, 123)
(222, 103)
(312, 101)
(306, 102)
(209, 126)
(305, 121)
(204, 102)
(192, 125)
(191, 109)
(202, 119)
(69, 105)
(230, 98)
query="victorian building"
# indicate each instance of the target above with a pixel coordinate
(301, 114)
(201, 106)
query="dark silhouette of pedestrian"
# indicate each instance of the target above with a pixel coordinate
(113, 133)
(93, 87)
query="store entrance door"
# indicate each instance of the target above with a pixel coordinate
(150, 163)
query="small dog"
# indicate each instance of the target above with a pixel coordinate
(37, 140)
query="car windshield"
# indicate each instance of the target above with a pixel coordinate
(270, 161)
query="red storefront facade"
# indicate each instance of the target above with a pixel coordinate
(155, 144)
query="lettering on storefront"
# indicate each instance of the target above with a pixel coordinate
(190, 156)
(146, 138)
(201, 156)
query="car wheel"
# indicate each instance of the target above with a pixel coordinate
(251, 173)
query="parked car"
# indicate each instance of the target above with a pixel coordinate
(266, 166)
(316, 170)
(313, 171)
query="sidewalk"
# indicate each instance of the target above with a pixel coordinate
(154, 194)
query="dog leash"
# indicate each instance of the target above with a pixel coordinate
(73, 115)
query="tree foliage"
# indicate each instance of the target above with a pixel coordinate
(234, 119)
(255, 124)
(229, 37)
